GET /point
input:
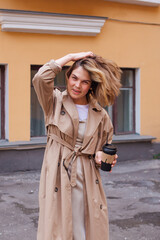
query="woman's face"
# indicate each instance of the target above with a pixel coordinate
(78, 85)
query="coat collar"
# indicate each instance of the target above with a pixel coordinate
(95, 114)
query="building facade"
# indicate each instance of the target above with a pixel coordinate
(33, 32)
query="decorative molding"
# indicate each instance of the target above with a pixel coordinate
(50, 23)
(152, 3)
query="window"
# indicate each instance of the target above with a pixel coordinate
(37, 117)
(2, 94)
(123, 112)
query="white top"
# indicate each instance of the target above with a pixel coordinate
(82, 111)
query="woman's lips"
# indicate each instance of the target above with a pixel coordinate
(76, 91)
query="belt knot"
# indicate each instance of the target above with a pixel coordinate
(70, 164)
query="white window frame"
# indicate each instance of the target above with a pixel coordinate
(137, 101)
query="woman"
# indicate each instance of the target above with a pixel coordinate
(71, 197)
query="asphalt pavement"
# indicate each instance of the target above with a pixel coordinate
(133, 196)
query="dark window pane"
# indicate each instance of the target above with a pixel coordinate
(125, 111)
(37, 117)
(59, 81)
(127, 78)
(109, 109)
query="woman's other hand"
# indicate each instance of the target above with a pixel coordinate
(98, 159)
(114, 161)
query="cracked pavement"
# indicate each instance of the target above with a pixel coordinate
(133, 196)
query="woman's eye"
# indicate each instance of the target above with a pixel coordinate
(86, 82)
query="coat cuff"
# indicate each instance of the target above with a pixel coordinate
(56, 68)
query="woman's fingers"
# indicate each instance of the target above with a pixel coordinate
(77, 56)
(115, 160)
(73, 57)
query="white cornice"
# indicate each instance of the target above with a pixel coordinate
(152, 3)
(39, 22)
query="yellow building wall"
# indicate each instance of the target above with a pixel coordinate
(129, 44)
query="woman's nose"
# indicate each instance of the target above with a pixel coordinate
(78, 84)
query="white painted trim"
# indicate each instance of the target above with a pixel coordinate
(50, 24)
(152, 3)
(6, 103)
(137, 101)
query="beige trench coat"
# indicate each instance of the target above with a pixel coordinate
(61, 118)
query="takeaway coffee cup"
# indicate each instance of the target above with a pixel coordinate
(108, 156)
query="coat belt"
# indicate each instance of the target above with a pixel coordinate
(70, 159)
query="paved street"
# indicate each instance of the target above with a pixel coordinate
(132, 190)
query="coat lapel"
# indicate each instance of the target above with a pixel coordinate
(72, 111)
(94, 118)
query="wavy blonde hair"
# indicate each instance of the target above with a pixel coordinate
(105, 76)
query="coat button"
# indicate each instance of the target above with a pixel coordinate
(58, 164)
(97, 181)
(101, 206)
(89, 156)
(62, 112)
(56, 189)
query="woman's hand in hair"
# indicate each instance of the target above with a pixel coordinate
(73, 57)
(80, 55)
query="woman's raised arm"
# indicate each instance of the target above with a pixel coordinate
(73, 57)
(43, 81)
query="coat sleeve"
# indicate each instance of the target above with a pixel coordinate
(43, 83)
(107, 130)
